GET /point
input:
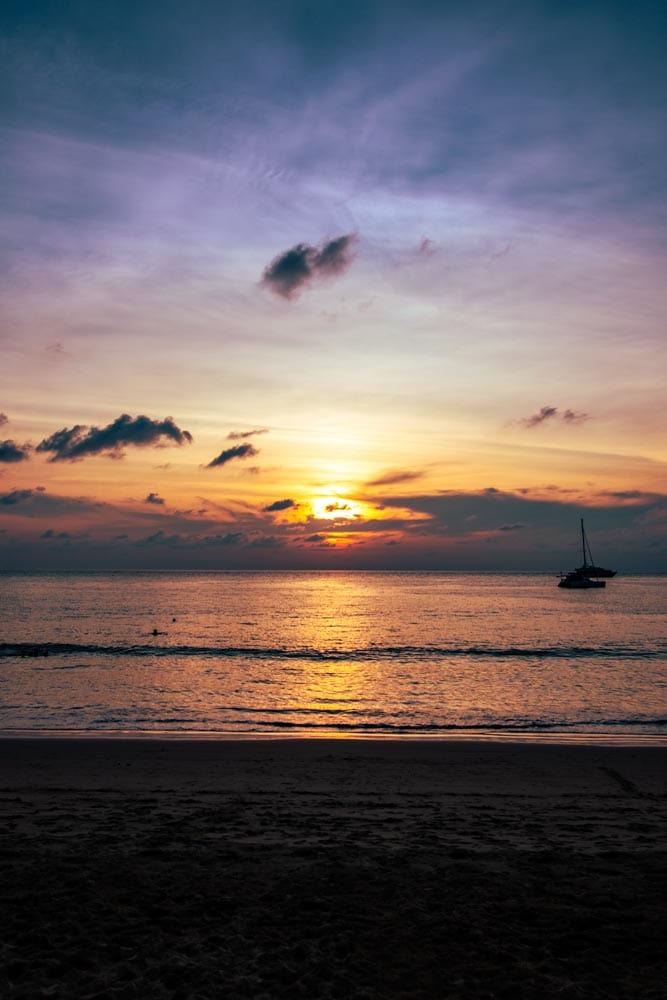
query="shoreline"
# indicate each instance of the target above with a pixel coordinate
(504, 738)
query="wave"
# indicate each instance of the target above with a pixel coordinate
(39, 649)
(534, 726)
(183, 725)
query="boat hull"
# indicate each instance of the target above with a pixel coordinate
(576, 582)
(596, 571)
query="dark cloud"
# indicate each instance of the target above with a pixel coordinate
(240, 451)
(16, 496)
(266, 542)
(550, 413)
(154, 498)
(316, 538)
(4, 419)
(296, 268)
(192, 541)
(80, 441)
(231, 538)
(511, 527)
(241, 435)
(331, 507)
(159, 538)
(50, 533)
(12, 452)
(280, 505)
(631, 495)
(390, 478)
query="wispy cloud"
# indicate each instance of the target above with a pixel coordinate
(392, 478)
(292, 271)
(81, 441)
(427, 247)
(546, 413)
(229, 454)
(4, 419)
(241, 435)
(570, 417)
(549, 414)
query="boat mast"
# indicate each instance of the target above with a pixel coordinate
(583, 543)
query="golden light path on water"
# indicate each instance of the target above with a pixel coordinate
(357, 654)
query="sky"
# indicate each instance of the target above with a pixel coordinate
(332, 285)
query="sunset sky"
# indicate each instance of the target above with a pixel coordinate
(311, 284)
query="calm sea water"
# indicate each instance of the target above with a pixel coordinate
(351, 653)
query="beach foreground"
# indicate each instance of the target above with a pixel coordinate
(331, 868)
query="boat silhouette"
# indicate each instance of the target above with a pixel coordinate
(588, 567)
(588, 576)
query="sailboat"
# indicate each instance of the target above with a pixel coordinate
(586, 576)
(588, 567)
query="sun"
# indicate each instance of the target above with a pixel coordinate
(335, 508)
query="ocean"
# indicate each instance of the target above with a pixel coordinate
(337, 653)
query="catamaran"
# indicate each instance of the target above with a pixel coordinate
(588, 567)
(587, 576)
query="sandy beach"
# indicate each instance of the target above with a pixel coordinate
(331, 869)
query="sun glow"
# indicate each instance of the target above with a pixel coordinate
(336, 508)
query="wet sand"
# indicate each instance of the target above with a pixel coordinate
(331, 869)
